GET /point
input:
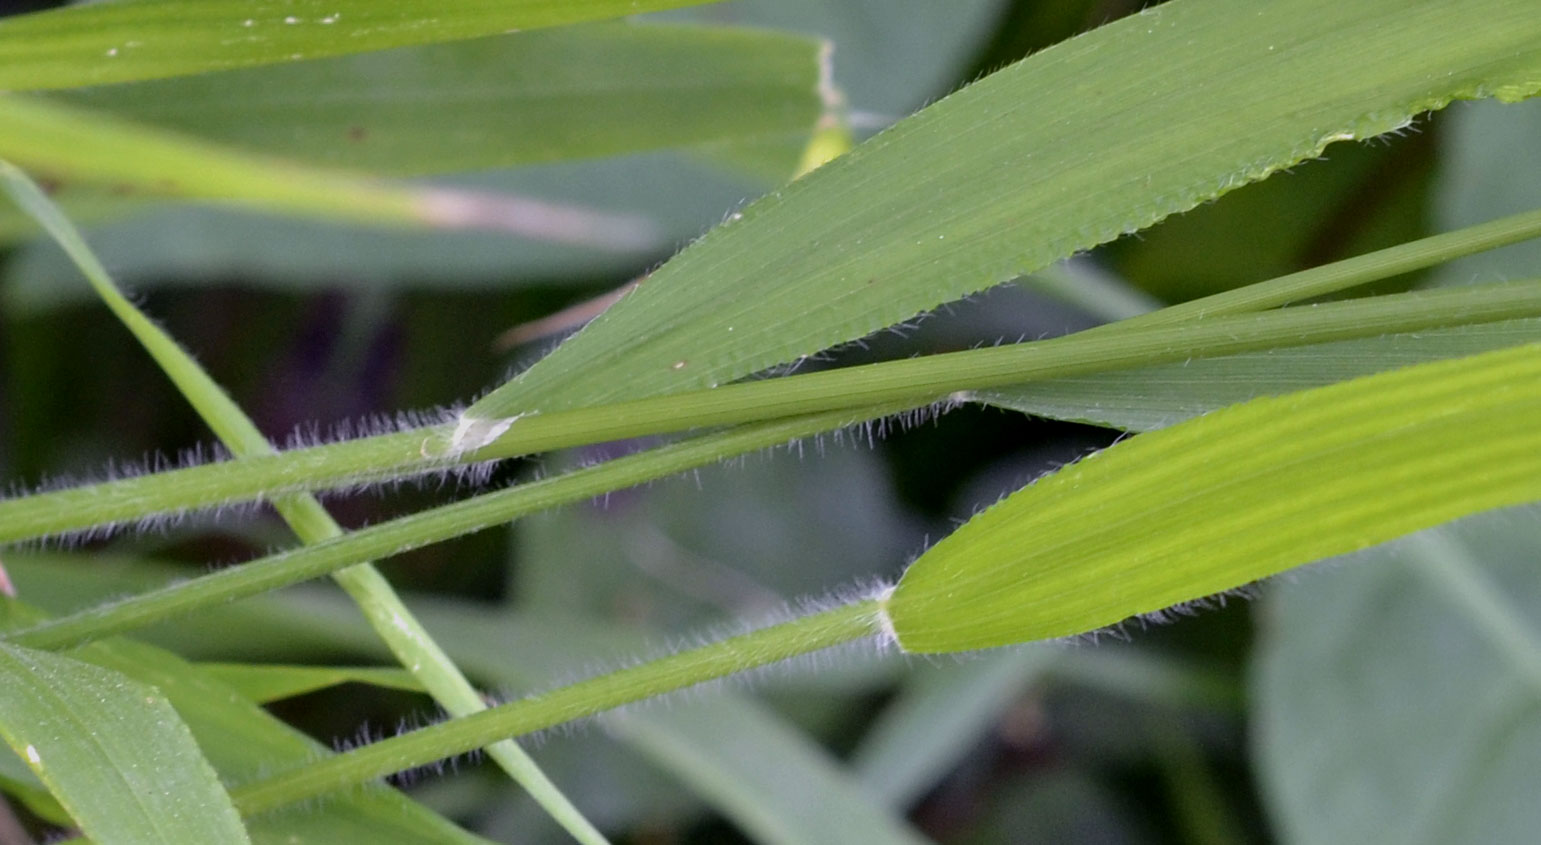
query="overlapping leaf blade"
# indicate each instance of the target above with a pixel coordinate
(1101, 135)
(1218, 502)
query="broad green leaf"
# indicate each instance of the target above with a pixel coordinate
(264, 683)
(1102, 135)
(1155, 397)
(68, 145)
(1212, 504)
(242, 741)
(112, 750)
(560, 94)
(100, 43)
(1397, 695)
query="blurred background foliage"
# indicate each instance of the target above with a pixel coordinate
(1335, 708)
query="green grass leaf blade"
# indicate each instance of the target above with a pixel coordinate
(394, 622)
(1155, 397)
(69, 145)
(101, 43)
(113, 751)
(691, 739)
(579, 92)
(1079, 144)
(1226, 499)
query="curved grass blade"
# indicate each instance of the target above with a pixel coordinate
(100, 43)
(553, 95)
(70, 145)
(1102, 135)
(1226, 499)
(113, 751)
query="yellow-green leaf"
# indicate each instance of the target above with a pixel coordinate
(1225, 499)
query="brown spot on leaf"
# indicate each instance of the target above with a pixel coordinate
(357, 133)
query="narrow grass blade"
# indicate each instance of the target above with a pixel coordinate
(1213, 504)
(394, 622)
(1079, 144)
(736, 654)
(99, 43)
(579, 92)
(423, 528)
(1351, 272)
(114, 752)
(262, 682)
(1155, 397)
(68, 145)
